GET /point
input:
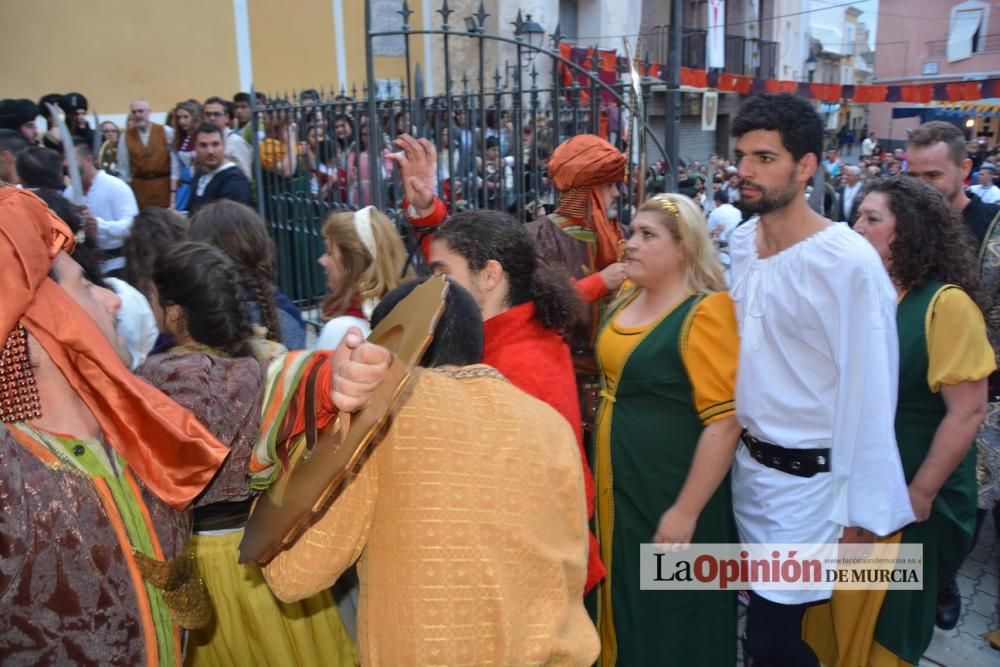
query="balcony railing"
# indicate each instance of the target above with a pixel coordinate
(746, 56)
(939, 47)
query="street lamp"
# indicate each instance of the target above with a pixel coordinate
(530, 32)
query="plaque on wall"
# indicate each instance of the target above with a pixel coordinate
(386, 17)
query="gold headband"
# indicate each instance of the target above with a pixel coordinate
(662, 202)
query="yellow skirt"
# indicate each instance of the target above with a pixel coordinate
(252, 627)
(842, 630)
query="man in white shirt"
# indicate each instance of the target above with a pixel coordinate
(111, 205)
(868, 145)
(818, 370)
(218, 112)
(723, 219)
(849, 195)
(986, 189)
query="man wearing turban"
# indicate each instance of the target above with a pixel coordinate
(98, 470)
(580, 235)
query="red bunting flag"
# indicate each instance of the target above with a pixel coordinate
(916, 93)
(826, 92)
(695, 78)
(870, 93)
(566, 51)
(735, 83)
(959, 92)
(776, 86)
(608, 60)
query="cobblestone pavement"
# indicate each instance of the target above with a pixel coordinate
(978, 581)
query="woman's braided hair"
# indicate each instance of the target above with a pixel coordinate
(239, 232)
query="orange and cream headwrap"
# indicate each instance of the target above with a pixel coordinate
(577, 168)
(165, 445)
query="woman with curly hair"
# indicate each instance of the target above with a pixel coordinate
(364, 260)
(241, 234)
(211, 371)
(944, 360)
(666, 437)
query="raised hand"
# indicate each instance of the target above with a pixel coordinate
(417, 162)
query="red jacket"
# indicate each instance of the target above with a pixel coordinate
(537, 361)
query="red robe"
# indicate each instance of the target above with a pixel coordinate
(537, 361)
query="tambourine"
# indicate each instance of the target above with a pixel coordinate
(319, 465)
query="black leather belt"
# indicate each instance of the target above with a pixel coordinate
(222, 516)
(798, 462)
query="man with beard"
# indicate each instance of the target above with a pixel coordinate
(816, 386)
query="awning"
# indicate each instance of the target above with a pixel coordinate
(963, 30)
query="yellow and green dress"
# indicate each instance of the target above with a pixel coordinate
(662, 384)
(942, 341)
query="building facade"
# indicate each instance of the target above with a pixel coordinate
(932, 43)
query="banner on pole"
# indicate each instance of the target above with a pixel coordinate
(709, 110)
(715, 40)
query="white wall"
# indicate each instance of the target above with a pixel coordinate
(609, 20)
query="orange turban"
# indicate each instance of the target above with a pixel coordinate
(587, 161)
(165, 445)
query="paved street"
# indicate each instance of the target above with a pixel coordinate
(979, 580)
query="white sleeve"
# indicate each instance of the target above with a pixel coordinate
(175, 164)
(860, 326)
(713, 220)
(123, 164)
(111, 233)
(240, 153)
(334, 330)
(136, 322)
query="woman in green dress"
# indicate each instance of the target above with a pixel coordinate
(944, 360)
(667, 433)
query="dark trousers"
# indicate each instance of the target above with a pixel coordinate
(774, 634)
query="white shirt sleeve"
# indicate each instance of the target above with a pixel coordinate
(175, 164)
(136, 322)
(123, 163)
(238, 150)
(860, 326)
(334, 330)
(112, 230)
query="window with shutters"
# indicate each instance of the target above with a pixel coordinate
(967, 29)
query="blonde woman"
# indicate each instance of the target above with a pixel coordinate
(364, 259)
(666, 435)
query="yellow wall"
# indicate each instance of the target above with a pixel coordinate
(293, 44)
(115, 50)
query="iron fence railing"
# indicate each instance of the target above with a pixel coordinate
(314, 159)
(494, 128)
